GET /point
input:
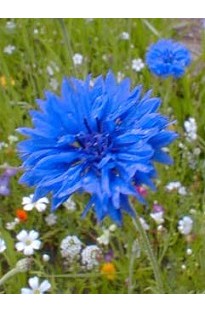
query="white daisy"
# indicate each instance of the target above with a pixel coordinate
(40, 204)
(36, 287)
(28, 242)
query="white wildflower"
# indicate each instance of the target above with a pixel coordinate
(40, 204)
(54, 84)
(9, 49)
(157, 217)
(182, 191)
(120, 76)
(36, 287)
(2, 245)
(11, 225)
(70, 247)
(77, 59)
(189, 251)
(51, 219)
(125, 35)
(10, 25)
(185, 225)
(191, 129)
(104, 239)
(45, 257)
(91, 256)
(28, 242)
(137, 65)
(70, 205)
(144, 224)
(12, 139)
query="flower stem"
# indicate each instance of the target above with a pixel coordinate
(150, 255)
(8, 275)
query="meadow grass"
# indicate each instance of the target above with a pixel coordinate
(24, 76)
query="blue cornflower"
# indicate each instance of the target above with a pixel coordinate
(101, 139)
(168, 58)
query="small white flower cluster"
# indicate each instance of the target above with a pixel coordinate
(191, 129)
(185, 225)
(70, 205)
(11, 225)
(36, 287)
(9, 49)
(40, 204)
(28, 242)
(2, 245)
(51, 219)
(77, 59)
(104, 239)
(91, 256)
(137, 64)
(192, 156)
(124, 35)
(11, 140)
(176, 185)
(70, 247)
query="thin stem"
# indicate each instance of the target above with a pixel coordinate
(150, 255)
(131, 268)
(8, 275)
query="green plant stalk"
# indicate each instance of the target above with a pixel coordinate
(150, 254)
(8, 275)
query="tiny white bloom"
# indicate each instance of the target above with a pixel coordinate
(70, 247)
(144, 224)
(35, 31)
(183, 267)
(70, 205)
(12, 139)
(190, 129)
(182, 191)
(28, 242)
(77, 59)
(112, 227)
(9, 49)
(51, 219)
(50, 70)
(10, 25)
(45, 257)
(125, 35)
(54, 84)
(120, 76)
(91, 256)
(3, 145)
(185, 225)
(137, 65)
(36, 287)
(2, 245)
(157, 217)
(40, 204)
(104, 239)
(189, 251)
(173, 186)
(11, 225)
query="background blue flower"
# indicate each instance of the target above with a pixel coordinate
(168, 58)
(102, 140)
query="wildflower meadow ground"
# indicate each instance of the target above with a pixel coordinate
(102, 145)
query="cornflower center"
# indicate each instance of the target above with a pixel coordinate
(94, 143)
